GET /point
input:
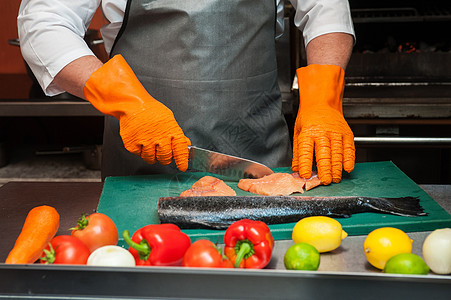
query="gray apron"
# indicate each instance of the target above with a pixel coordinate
(213, 63)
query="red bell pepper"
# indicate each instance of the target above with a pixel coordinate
(158, 245)
(248, 244)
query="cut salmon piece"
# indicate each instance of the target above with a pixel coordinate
(308, 184)
(277, 184)
(209, 186)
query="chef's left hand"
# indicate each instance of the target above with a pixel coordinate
(320, 126)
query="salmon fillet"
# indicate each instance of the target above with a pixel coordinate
(277, 184)
(308, 184)
(209, 186)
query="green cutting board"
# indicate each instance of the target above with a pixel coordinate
(131, 201)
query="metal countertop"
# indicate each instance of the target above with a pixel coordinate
(343, 274)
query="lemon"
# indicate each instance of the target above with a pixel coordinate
(302, 256)
(324, 233)
(437, 251)
(383, 243)
(406, 263)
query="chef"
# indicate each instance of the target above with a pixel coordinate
(198, 72)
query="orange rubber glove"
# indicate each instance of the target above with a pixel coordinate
(320, 126)
(147, 127)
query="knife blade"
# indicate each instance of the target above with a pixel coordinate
(229, 166)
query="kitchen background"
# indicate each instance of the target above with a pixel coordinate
(397, 97)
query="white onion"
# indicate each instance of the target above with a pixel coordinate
(112, 256)
(437, 251)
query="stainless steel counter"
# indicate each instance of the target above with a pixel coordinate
(46, 108)
(343, 274)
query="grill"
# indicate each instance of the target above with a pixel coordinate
(401, 46)
(401, 56)
(398, 86)
(397, 98)
(401, 14)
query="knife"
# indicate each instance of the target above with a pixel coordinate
(231, 167)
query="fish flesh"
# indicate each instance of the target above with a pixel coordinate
(279, 184)
(309, 183)
(218, 212)
(209, 186)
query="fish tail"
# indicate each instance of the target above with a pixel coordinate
(403, 206)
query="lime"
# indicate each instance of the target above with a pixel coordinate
(406, 263)
(302, 256)
(324, 233)
(383, 243)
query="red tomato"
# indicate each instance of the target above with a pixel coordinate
(65, 249)
(205, 254)
(96, 230)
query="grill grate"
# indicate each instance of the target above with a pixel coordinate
(401, 14)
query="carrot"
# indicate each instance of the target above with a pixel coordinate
(40, 227)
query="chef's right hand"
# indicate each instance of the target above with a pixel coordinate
(147, 127)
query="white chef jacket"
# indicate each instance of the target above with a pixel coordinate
(51, 31)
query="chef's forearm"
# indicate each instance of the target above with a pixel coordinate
(330, 49)
(72, 78)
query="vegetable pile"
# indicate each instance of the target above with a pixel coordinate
(93, 241)
(247, 244)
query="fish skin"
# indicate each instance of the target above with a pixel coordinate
(218, 212)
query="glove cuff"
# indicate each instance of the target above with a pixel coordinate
(115, 90)
(321, 85)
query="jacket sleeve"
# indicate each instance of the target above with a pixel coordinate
(51, 36)
(318, 17)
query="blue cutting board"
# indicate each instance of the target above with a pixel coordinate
(131, 201)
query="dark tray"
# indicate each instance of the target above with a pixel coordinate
(63, 282)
